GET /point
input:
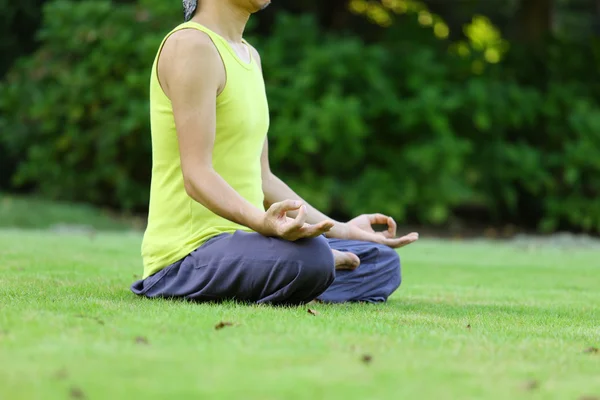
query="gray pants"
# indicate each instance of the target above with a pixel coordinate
(249, 267)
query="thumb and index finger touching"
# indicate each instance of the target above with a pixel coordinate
(381, 219)
(388, 237)
(299, 222)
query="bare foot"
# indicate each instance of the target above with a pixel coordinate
(345, 261)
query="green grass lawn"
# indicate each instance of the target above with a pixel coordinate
(35, 213)
(471, 320)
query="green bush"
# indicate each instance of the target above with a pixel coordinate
(404, 127)
(76, 111)
(401, 126)
(338, 113)
(16, 21)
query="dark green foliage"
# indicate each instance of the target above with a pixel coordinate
(18, 23)
(401, 126)
(76, 111)
(408, 129)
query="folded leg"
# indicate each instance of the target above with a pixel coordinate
(246, 267)
(377, 277)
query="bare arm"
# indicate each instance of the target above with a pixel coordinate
(275, 189)
(192, 75)
(360, 228)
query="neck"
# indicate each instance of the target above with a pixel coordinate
(223, 18)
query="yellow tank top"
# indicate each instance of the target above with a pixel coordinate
(177, 224)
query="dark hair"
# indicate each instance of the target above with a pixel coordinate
(189, 8)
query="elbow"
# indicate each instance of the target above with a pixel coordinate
(267, 188)
(267, 180)
(188, 184)
(193, 182)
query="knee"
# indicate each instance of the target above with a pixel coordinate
(317, 263)
(389, 256)
(389, 263)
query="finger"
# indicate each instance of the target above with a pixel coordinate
(282, 207)
(391, 231)
(318, 229)
(381, 219)
(300, 219)
(396, 243)
(310, 231)
(378, 219)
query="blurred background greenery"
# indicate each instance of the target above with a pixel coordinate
(442, 113)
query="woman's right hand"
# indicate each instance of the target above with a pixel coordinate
(276, 223)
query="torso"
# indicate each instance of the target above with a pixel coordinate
(177, 225)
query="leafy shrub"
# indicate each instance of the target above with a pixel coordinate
(405, 127)
(16, 22)
(77, 110)
(344, 136)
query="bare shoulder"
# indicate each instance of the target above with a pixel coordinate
(190, 42)
(187, 54)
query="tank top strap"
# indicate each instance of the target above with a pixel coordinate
(222, 45)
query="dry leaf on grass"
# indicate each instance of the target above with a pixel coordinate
(77, 393)
(98, 320)
(223, 324)
(367, 358)
(141, 340)
(61, 374)
(530, 385)
(313, 312)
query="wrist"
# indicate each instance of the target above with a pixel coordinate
(340, 230)
(256, 222)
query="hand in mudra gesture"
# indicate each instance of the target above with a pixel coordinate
(361, 228)
(276, 222)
